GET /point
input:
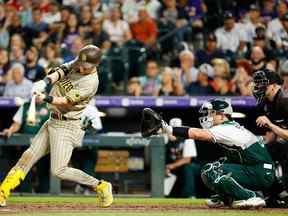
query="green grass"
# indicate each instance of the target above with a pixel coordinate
(135, 201)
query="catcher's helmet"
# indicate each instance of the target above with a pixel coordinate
(213, 106)
(262, 79)
(89, 56)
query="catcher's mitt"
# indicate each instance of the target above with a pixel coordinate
(151, 122)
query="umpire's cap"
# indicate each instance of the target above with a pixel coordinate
(89, 56)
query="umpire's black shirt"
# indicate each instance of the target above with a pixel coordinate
(277, 110)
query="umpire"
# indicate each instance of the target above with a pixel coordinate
(273, 100)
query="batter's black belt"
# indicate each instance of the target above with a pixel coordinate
(59, 116)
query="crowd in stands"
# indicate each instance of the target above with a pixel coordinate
(151, 47)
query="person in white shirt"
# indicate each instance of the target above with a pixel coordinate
(252, 23)
(117, 29)
(188, 71)
(275, 25)
(181, 154)
(19, 86)
(231, 37)
(281, 36)
(53, 15)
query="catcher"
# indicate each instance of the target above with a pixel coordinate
(249, 167)
(73, 85)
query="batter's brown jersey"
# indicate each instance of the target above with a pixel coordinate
(77, 88)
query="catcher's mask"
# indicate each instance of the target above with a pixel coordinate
(211, 108)
(261, 80)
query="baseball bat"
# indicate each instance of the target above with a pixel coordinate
(31, 116)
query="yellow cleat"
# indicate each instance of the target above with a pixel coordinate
(2, 200)
(104, 194)
(12, 180)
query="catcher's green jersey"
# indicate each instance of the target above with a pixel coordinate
(77, 88)
(243, 146)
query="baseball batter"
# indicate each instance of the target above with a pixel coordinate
(73, 86)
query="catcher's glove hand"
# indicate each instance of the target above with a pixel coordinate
(151, 122)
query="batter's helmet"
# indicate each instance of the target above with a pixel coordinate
(89, 56)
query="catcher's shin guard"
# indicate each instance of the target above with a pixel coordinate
(223, 184)
(12, 180)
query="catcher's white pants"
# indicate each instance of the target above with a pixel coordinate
(59, 138)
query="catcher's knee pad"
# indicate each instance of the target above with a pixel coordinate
(210, 172)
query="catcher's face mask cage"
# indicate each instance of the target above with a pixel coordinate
(212, 108)
(207, 112)
(260, 82)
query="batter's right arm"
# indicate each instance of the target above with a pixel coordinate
(55, 74)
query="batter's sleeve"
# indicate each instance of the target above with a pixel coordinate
(83, 91)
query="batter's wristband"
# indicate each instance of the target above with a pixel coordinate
(48, 99)
(47, 80)
(181, 132)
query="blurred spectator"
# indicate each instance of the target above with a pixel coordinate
(2, 14)
(262, 41)
(4, 24)
(53, 14)
(97, 35)
(150, 82)
(17, 41)
(187, 70)
(19, 86)
(221, 83)
(257, 58)
(26, 13)
(4, 65)
(284, 75)
(202, 85)
(134, 87)
(33, 71)
(145, 30)
(170, 13)
(268, 13)
(253, 21)
(130, 10)
(152, 7)
(210, 52)
(273, 64)
(15, 26)
(17, 55)
(170, 85)
(117, 29)
(275, 25)
(242, 79)
(181, 160)
(71, 30)
(85, 19)
(37, 25)
(281, 36)
(99, 9)
(231, 37)
(51, 57)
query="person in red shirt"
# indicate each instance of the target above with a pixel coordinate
(145, 29)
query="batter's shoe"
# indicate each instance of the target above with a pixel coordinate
(104, 194)
(2, 200)
(251, 203)
(11, 181)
